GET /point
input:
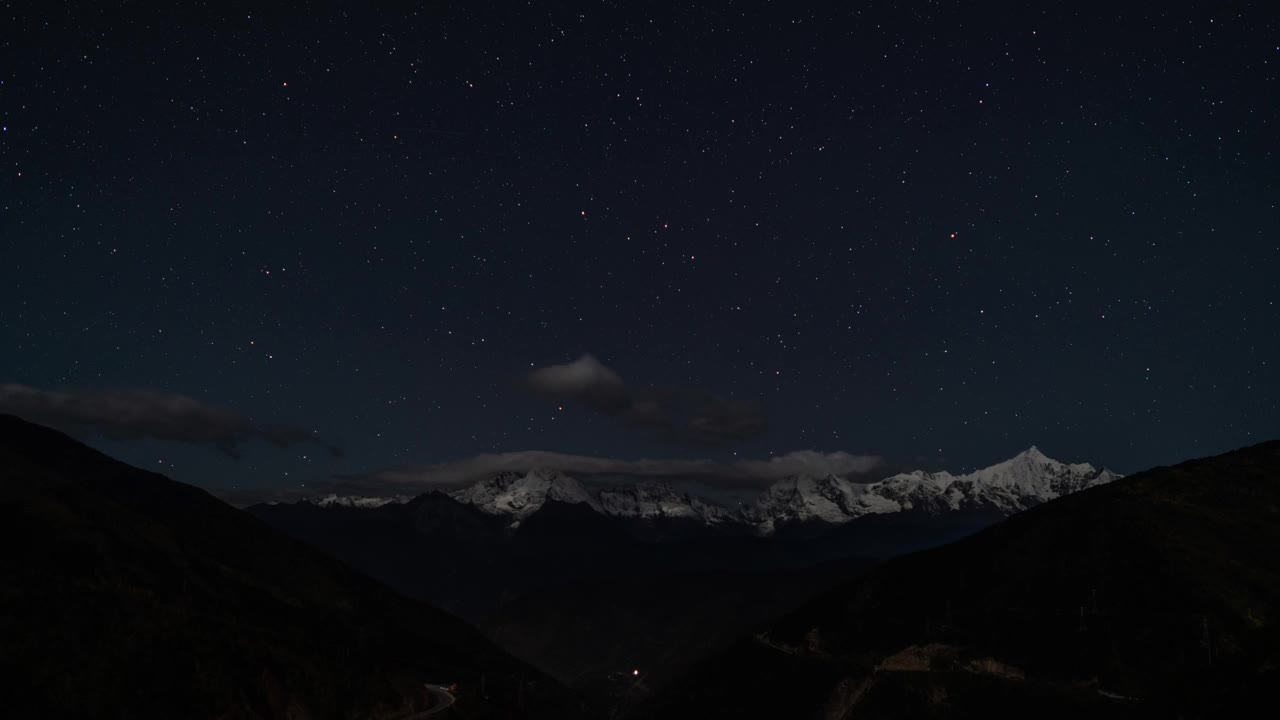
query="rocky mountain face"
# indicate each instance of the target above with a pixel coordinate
(651, 500)
(518, 495)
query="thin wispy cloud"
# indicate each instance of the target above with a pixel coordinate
(693, 417)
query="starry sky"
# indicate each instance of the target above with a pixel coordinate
(927, 231)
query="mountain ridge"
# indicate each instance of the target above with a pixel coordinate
(1012, 485)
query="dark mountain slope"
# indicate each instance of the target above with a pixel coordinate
(1158, 594)
(573, 591)
(125, 594)
(432, 548)
(658, 623)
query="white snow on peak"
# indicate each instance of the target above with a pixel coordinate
(654, 500)
(520, 495)
(1028, 479)
(1023, 481)
(915, 490)
(358, 501)
(804, 497)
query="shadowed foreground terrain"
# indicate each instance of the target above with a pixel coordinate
(1157, 595)
(125, 594)
(572, 592)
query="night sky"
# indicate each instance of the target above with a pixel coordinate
(925, 231)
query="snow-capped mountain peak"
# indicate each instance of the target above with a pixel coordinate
(1027, 479)
(804, 497)
(519, 495)
(915, 490)
(1023, 481)
(656, 500)
(359, 501)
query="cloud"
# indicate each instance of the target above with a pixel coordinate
(691, 416)
(132, 413)
(410, 480)
(419, 478)
(586, 380)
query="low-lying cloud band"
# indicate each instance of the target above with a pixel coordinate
(135, 413)
(743, 473)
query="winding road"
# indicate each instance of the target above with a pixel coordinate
(442, 700)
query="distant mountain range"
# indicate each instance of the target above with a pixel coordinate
(1021, 482)
(567, 574)
(128, 594)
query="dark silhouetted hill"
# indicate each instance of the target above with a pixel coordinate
(1157, 595)
(579, 594)
(125, 594)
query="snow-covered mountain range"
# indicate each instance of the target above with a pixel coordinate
(519, 495)
(359, 501)
(1021, 482)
